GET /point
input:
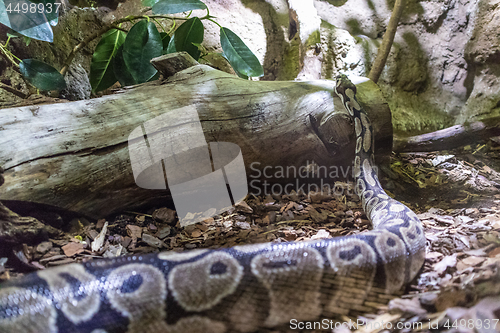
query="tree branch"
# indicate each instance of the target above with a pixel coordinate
(385, 47)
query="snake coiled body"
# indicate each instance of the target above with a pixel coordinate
(239, 289)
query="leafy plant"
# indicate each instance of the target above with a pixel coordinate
(125, 56)
(41, 75)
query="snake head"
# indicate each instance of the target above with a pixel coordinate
(343, 83)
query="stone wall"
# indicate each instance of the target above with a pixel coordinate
(443, 69)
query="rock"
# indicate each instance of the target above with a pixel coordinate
(134, 231)
(72, 249)
(196, 233)
(113, 251)
(269, 200)
(317, 216)
(153, 241)
(43, 247)
(208, 221)
(164, 232)
(126, 241)
(428, 299)
(100, 223)
(243, 225)
(243, 207)
(407, 306)
(164, 215)
(99, 240)
(322, 233)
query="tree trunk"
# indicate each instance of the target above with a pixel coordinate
(76, 155)
(385, 47)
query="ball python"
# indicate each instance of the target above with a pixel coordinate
(240, 289)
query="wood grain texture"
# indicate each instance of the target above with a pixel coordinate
(75, 155)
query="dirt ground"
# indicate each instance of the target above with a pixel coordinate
(456, 195)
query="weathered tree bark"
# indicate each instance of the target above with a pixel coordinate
(451, 137)
(21, 229)
(76, 156)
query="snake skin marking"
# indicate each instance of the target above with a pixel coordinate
(75, 291)
(368, 143)
(357, 167)
(251, 248)
(138, 292)
(197, 324)
(394, 221)
(349, 108)
(352, 260)
(367, 169)
(396, 208)
(30, 312)
(359, 143)
(353, 252)
(350, 94)
(281, 272)
(416, 261)
(201, 284)
(246, 315)
(367, 195)
(180, 256)
(389, 247)
(357, 127)
(368, 138)
(412, 236)
(370, 204)
(383, 196)
(411, 215)
(361, 187)
(381, 214)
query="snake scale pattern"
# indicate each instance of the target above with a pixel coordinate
(239, 289)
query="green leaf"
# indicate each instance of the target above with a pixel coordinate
(120, 69)
(142, 44)
(239, 55)
(188, 33)
(13, 34)
(30, 19)
(149, 3)
(42, 75)
(177, 6)
(101, 68)
(155, 77)
(165, 39)
(50, 8)
(171, 45)
(41, 32)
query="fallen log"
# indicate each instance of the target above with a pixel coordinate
(451, 137)
(76, 155)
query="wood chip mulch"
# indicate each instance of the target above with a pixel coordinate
(457, 197)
